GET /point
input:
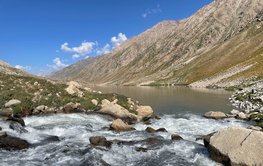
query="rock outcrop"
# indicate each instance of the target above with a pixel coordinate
(236, 146)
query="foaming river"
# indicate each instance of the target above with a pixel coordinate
(74, 131)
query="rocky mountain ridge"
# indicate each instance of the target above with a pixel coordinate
(218, 41)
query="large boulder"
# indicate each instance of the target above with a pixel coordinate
(215, 115)
(71, 107)
(144, 112)
(6, 112)
(99, 141)
(74, 89)
(12, 143)
(119, 125)
(12, 103)
(236, 146)
(115, 110)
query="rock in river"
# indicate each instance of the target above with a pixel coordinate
(236, 146)
(99, 141)
(12, 143)
(215, 115)
(119, 125)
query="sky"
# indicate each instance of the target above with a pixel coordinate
(42, 36)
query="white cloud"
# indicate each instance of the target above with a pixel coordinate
(84, 49)
(152, 11)
(117, 41)
(25, 68)
(57, 64)
(75, 56)
(105, 50)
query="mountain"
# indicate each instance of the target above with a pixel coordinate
(6, 68)
(220, 45)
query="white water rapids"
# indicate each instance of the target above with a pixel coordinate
(74, 131)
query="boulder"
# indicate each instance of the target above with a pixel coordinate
(6, 112)
(99, 141)
(16, 119)
(144, 112)
(215, 115)
(176, 137)
(71, 107)
(12, 102)
(95, 102)
(12, 143)
(242, 115)
(119, 125)
(150, 130)
(236, 146)
(234, 112)
(74, 89)
(115, 110)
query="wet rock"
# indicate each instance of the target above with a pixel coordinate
(0, 128)
(6, 112)
(176, 137)
(99, 141)
(12, 143)
(12, 102)
(161, 130)
(141, 149)
(17, 127)
(47, 139)
(215, 115)
(150, 130)
(16, 119)
(120, 126)
(236, 146)
(144, 112)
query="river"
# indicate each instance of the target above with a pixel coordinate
(181, 112)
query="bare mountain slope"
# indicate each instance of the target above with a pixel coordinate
(223, 37)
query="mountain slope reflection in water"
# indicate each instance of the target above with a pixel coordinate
(74, 131)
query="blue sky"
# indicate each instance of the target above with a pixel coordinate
(41, 36)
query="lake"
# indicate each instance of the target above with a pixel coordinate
(175, 100)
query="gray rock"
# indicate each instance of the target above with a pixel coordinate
(12, 143)
(234, 112)
(6, 112)
(12, 102)
(119, 125)
(95, 102)
(242, 115)
(215, 115)
(176, 137)
(236, 146)
(99, 141)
